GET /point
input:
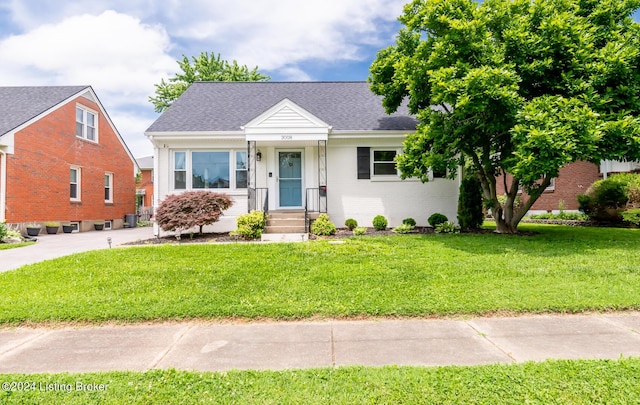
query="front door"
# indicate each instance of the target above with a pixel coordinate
(290, 178)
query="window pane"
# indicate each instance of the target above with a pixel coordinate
(179, 159)
(74, 191)
(107, 194)
(79, 128)
(91, 134)
(210, 169)
(107, 181)
(241, 160)
(241, 179)
(180, 180)
(74, 175)
(79, 115)
(384, 169)
(384, 155)
(91, 119)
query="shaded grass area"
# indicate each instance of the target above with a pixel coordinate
(6, 246)
(561, 269)
(558, 381)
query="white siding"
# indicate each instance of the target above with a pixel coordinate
(349, 197)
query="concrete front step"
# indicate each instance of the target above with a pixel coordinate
(285, 222)
(285, 237)
(284, 229)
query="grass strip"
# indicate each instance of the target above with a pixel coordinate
(557, 381)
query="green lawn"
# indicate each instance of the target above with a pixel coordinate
(557, 382)
(560, 269)
(6, 246)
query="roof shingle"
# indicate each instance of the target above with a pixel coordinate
(20, 104)
(226, 106)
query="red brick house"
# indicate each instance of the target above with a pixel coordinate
(144, 190)
(62, 159)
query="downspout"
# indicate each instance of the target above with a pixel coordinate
(3, 185)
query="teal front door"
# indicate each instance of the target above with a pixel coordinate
(290, 178)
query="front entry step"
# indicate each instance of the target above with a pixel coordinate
(285, 222)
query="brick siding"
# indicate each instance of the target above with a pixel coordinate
(38, 172)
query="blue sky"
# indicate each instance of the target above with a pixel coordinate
(123, 47)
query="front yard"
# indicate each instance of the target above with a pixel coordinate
(559, 269)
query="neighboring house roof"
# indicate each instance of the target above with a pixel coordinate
(227, 106)
(145, 162)
(18, 105)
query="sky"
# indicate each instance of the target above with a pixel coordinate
(123, 47)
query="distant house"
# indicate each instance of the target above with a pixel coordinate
(305, 147)
(144, 190)
(62, 159)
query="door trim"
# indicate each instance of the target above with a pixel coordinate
(302, 179)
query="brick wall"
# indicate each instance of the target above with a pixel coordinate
(38, 173)
(146, 184)
(573, 179)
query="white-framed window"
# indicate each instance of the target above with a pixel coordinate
(86, 124)
(108, 187)
(209, 169)
(75, 183)
(75, 226)
(107, 224)
(383, 162)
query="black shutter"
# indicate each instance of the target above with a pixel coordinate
(364, 163)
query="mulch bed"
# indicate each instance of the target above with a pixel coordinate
(341, 233)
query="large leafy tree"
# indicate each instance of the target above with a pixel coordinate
(202, 68)
(514, 88)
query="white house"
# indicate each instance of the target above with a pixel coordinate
(293, 146)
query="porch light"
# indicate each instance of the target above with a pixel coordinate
(259, 156)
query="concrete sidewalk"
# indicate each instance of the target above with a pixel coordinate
(207, 346)
(53, 246)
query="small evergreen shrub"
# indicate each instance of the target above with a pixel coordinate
(322, 226)
(380, 223)
(605, 198)
(404, 228)
(351, 223)
(470, 214)
(4, 231)
(447, 227)
(409, 221)
(250, 226)
(361, 230)
(632, 216)
(436, 219)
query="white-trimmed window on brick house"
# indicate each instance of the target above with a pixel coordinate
(74, 183)
(86, 124)
(209, 169)
(108, 187)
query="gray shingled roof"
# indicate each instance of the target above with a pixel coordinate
(20, 104)
(226, 106)
(145, 162)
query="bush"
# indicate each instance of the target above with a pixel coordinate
(567, 216)
(351, 224)
(447, 227)
(437, 219)
(361, 230)
(380, 223)
(409, 221)
(470, 215)
(192, 208)
(4, 231)
(404, 228)
(250, 226)
(322, 226)
(606, 197)
(632, 216)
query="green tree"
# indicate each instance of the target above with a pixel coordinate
(204, 68)
(519, 87)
